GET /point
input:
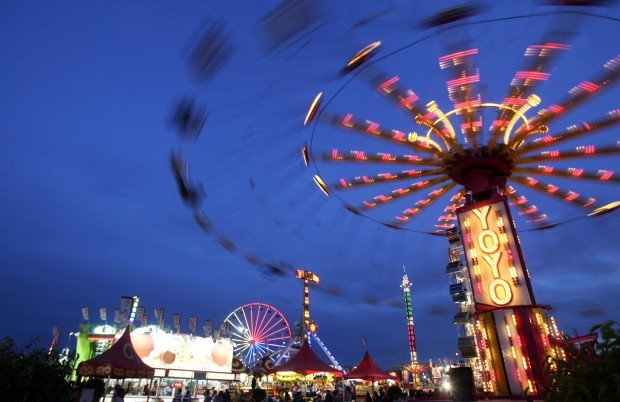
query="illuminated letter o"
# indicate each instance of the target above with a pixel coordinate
(507, 292)
(494, 240)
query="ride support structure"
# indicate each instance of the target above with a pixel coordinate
(507, 335)
(307, 327)
(413, 353)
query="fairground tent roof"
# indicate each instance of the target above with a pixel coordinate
(368, 370)
(305, 362)
(120, 361)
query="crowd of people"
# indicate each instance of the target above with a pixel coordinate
(296, 395)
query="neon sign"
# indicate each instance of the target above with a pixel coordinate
(496, 271)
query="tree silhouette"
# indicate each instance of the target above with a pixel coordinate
(590, 372)
(32, 374)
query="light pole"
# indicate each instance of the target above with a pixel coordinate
(76, 334)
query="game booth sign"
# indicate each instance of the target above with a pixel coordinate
(177, 359)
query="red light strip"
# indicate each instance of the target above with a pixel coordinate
(565, 195)
(525, 207)
(374, 129)
(611, 119)
(385, 177)
(383, 199)
(571, 173)
(424, 203)
(456, 55)
(578, 94)
(463, 81)
(336, 156)
(589, 150)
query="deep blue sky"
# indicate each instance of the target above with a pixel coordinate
(90, 210)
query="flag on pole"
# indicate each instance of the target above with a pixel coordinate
(139, 314)
(192, 324)
(145, 320)
(117, 316)
(216, 334)
(207, 328)
(55, 337)
(176, 322)
(159, 316)
(126, 303)
(56, 334)
(85, 313)
(103, 314)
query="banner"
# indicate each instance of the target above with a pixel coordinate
(176, 322)
(56, 334)
(159, 316)
(207, 328)
(85, 313)
(145, 320)
(192, 324)
(126, 303)
(139, 314)
(103, 314)
(216, 334)
(117, 316)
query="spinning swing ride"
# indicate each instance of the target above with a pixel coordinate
(450, 155)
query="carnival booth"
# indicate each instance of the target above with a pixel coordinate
(368, 370)
(306, 364)
(119, 362)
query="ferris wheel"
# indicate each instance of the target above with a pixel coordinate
(256, 330)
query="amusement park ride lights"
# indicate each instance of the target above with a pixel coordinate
(413, 352)
(307, 327)
(258, 330)
(507, 333)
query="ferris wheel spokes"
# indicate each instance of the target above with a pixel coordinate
(257, 329)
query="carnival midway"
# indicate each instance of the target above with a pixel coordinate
(254, 349)
(476, 149)
(504, 335)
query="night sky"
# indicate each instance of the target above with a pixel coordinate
(90, 209)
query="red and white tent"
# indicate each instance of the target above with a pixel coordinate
(120, 361)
